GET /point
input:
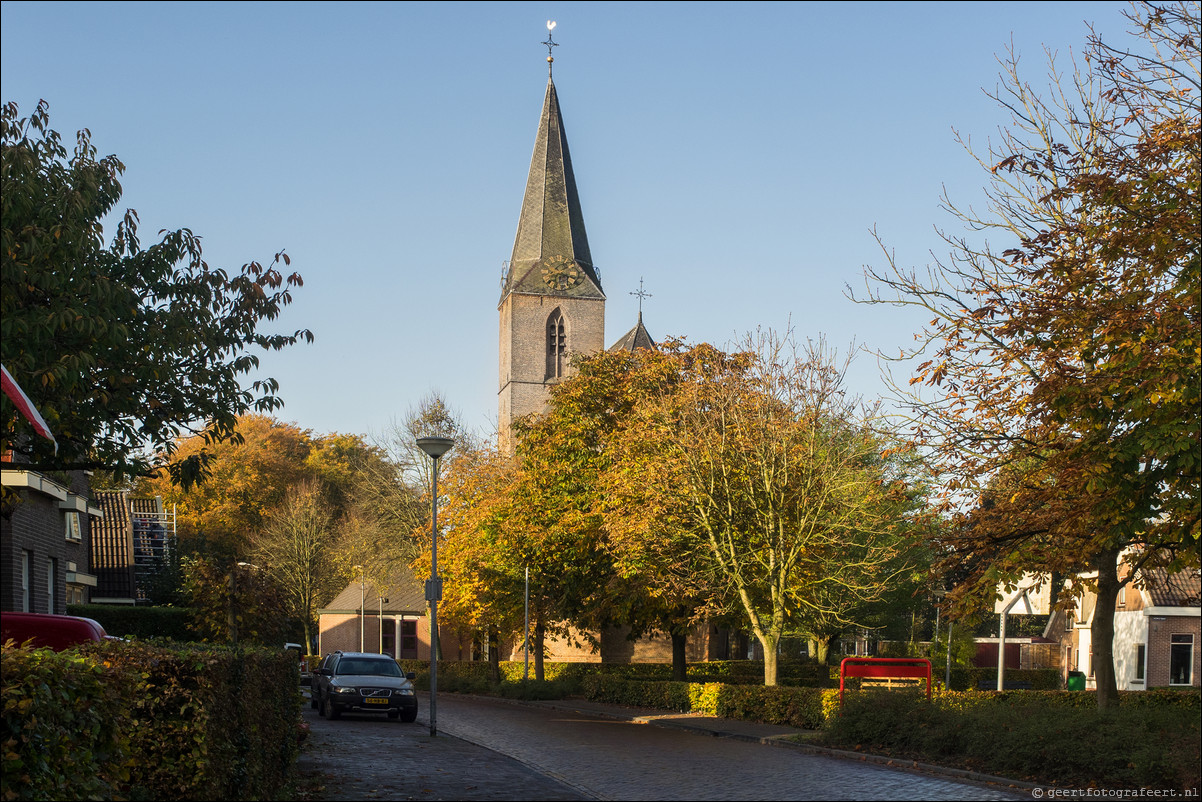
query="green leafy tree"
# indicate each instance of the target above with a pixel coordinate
(1061, 375)
(123, 349)
(781, 484)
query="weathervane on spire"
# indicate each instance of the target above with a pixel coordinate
(550, 43)
(641, 295)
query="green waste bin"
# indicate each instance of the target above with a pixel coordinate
(1076, 680)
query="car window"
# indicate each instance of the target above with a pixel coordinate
(375, 668)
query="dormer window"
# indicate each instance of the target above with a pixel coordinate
(557, 346)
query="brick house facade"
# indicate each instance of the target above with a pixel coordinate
(45, 539)
(1157, 632)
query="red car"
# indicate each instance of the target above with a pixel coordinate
(57, 632)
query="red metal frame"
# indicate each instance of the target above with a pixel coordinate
(885, 667)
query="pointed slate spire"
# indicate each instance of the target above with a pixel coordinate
(550, 252)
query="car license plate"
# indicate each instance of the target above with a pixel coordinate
(375, 701)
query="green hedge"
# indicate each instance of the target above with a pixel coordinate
(781, 704)
(58, 729)
(474, 674)
(131, 621)
(1151, 740)
(145, 721)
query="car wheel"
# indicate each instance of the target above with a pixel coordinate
(329, 711)
(409, 715)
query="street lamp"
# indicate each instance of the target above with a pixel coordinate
(362, 598)
(434, 447)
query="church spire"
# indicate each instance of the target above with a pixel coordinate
(550, 252)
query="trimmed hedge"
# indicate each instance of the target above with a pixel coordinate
(146, 721)
(130, 621)
(1151, 740)
(781, 704)
(474, 674)
(57, 730)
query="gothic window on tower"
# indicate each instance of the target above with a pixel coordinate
(557, 346)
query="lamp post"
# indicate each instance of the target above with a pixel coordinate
(362, 595)
(434, 447)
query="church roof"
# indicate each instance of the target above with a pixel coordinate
(634, 339)
(550, 252)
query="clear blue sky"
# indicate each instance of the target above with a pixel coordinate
(734, 155)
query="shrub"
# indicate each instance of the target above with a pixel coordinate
(1040, 736)
(58, 734)
(142, 721)
(129, 621)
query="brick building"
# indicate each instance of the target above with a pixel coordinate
(45, 540)
(1157, 628)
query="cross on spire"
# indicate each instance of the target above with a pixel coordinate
(550, 43)
(641, 294)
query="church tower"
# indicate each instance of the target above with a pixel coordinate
(552, 304)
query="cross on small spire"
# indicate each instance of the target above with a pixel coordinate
(550, 43)
(641, 294)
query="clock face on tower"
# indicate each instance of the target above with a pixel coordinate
(560, 273)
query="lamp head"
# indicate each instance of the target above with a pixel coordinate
(435, 446)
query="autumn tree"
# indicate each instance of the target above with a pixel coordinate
(124, 349)
(668, 582)
(480, 555)
(785, 489)
(248, 476)
(295, 547)
(1061, 369)
(556, 494)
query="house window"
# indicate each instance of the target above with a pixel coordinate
(1122, 601)
(1141, 655)
(408, 640)
(1181, 659)
(557, 346)
(51, 575)
(1069, 615)
(27, 581)
(71, 522)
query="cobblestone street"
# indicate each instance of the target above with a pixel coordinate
(541, 752)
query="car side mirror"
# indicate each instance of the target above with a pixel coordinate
(410, 675)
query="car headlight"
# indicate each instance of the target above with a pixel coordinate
(405, 691)
(340, 689)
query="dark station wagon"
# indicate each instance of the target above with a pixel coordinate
(364, 683)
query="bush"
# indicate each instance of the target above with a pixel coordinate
(1055, 737)
(58, 731)
(796, 707)
(141, 721)
(129, 621)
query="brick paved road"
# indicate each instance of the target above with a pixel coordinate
(607, 759)
(366, 757)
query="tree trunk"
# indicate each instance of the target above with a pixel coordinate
(680, 670)
(494, 656)
(1102, 637)
(769, 640)
(540, 633)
